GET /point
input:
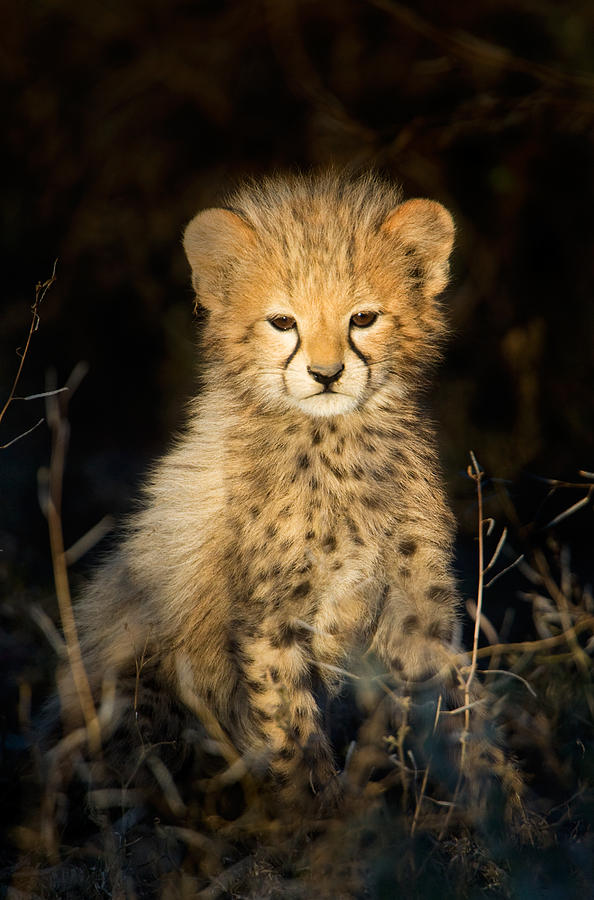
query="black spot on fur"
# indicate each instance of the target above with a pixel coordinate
(372, 501)
(289, 634)
(354, 531)
(310, 535)
(396, 664)
(338, 473)
(237, 653)
(256, 687)
(254, 511)
(410, 624)
(439, 631)
(303, 461)
(332, 427)
(439, 594)
(281, 778)
(287, 752)
(271, 531)
(408, 547)
(314, 484)
(301, 590)
(274, 674)
(329, 543)
(337, 565)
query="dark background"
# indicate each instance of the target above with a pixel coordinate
(120, 120)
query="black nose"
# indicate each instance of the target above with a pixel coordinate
(326, 374)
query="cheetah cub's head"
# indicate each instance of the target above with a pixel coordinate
(321, 291)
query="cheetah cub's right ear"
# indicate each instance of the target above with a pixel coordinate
(426, 229)
(214, 241)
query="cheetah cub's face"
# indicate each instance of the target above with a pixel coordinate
(319, 354)
(314, 310)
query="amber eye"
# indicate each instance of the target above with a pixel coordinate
(282, 323)
(363, 319)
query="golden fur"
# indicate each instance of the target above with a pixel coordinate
(300, 517)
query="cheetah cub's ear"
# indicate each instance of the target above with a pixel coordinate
(214, 241)
(424, 230)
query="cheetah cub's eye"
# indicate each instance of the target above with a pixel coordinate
(282, 323)
(363, 319)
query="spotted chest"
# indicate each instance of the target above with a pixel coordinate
(309, 523)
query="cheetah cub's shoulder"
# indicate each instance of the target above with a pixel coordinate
(301, 515)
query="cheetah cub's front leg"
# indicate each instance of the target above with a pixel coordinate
(415, 631)
(287, 720)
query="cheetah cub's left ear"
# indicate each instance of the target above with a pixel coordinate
(425, 230)
(214, 241)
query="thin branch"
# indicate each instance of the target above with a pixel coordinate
(535, 646)
(41, 289)
(509, 675)
(42, 395)
(56, 417)
(511, 566)
(486, 625)
(476, 474)
(570, 510)
(419, 802)
(562, 605)
(19, 436)
(498, 550)
(88, 540)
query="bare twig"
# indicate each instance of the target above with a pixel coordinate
(476, 473)
(572, 509)
(497, 551)
(41, 289)
(510, 675)
(419, 802)
(57, 405)
(566, 637)
(19, 436)
(511, 566)
(563, 606)
(88, 540)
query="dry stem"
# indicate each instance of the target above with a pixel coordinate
(41, 289)
(56, 405)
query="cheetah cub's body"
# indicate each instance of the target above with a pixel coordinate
(300, 517)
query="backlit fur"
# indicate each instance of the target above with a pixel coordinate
(293, 523)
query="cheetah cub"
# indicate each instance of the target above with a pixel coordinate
(300, 518)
